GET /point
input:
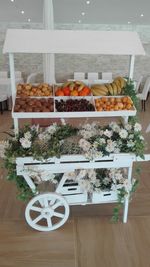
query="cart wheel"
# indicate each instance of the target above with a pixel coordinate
(47, 212)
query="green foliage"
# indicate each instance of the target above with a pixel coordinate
(122, 194)
(130, 91)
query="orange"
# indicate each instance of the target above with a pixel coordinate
(59, 92)
(129, 106)
(74, 92)
(86, 90)
(125, 99)
(104, 99)
(112, 99)
(66, 91)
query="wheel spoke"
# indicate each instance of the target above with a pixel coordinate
(45, 202)
(56, 205)
(49, 222)
(36, 209)
(37, 219)
(58, 214)
(52, 201)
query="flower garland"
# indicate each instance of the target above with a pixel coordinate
(89, 140)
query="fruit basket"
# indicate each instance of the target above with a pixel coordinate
(32, 104)
(74, 104)
(34, 90)
(116, 87)
(72, 88)
(114, 103)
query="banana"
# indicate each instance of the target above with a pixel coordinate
(115, 88)
(81, 86)
(100, 87)
(66, 84)
(117, 82)
(118, 88)
(71, 86)
(96, 92)
(110, 89)
(120, 80)
(79, 83)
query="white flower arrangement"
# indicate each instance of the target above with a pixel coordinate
(3, 146)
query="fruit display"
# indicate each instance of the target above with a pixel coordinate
(70, 105)
(28, 89)
(113, 103)
(27, 104)
(114, 88)
(72, 88)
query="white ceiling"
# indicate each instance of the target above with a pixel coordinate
(69, 11)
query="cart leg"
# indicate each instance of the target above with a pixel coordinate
(126, 201)
(125, 119)
(125, 212)
(16, 126)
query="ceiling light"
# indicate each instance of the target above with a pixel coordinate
(12, 0)
(79, 21)
(88, 2)
(83, 13)
(29, 20)
(142, 15)
(129, 22)
(22, 11)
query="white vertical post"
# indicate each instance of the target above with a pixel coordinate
(16, 126)
(126, 202)
(48, 59)
(131, 66)
(12, 77)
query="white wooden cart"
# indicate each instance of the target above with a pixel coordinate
(44, 206)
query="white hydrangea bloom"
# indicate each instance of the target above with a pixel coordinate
(3, 146)
(71, 176)
(108, 133)
(131, 136)
(86, 186)
(123, 133)
(141, 137)
(35, 127)
(84, 144)
(25, 142)
(101, 132)
(46, 176)
(27, 135)
(130, 143)
(102, 141)
(106, 180)
(82, 174)
(128, 127)
(43, 136)
(110, 146)
(115, 127)
(117, 150)
(137, 127)
(52, 128)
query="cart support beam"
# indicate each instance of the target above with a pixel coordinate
(48, 59)
(131, 66)
(12, 77)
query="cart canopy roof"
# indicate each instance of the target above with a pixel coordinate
(73, 42)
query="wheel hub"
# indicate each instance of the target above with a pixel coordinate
(47, 212)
